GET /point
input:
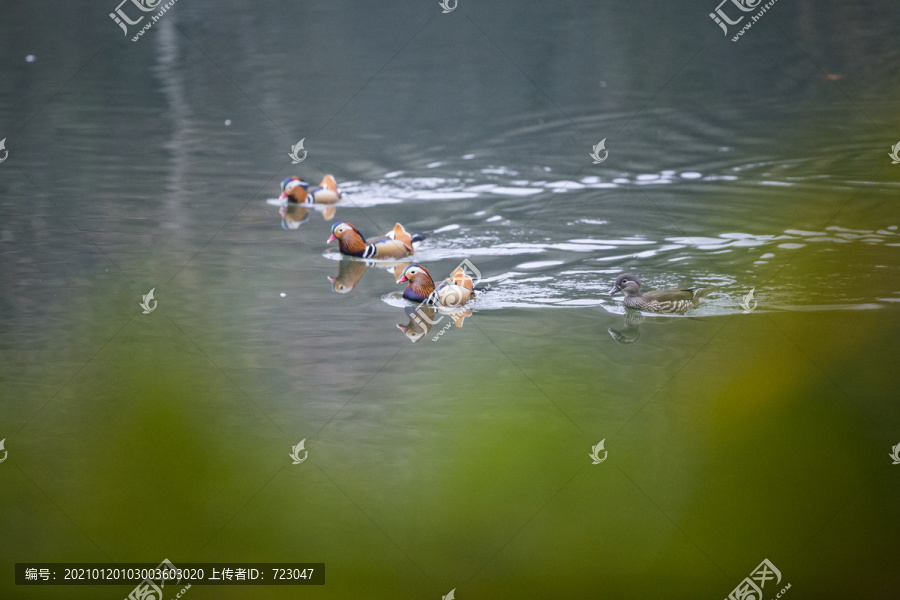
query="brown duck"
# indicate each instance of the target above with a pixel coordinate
(397, 243)
(456, 291)
(296, 190)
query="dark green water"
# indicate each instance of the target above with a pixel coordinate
(461, 463)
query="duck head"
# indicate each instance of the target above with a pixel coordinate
(421, 285)
(415, 274)
(628, 283)
(294, 189)
(343, 232)
(349, 239)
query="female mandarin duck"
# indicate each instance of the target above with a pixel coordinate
(294, 189)
(456, 291)
(670, 301)
(396, 244)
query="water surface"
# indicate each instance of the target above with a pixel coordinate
(460, 461)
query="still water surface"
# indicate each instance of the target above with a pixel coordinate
(462, 462)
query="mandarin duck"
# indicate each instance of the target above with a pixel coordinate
(669, 301)
(397, 243)
(294, 189)
(456, 291)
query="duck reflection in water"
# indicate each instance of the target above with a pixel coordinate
(350, 271)
(423, 317)
(294, 215)
(631, 329)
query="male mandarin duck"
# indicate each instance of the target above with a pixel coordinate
(421, 287)
(670, 301)
(397, 243)
(294, 189)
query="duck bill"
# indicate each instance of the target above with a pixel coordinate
(283, 196)
(403, 279)
(615, 291)
(402, 328)
(331, 239)
(332, 279)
